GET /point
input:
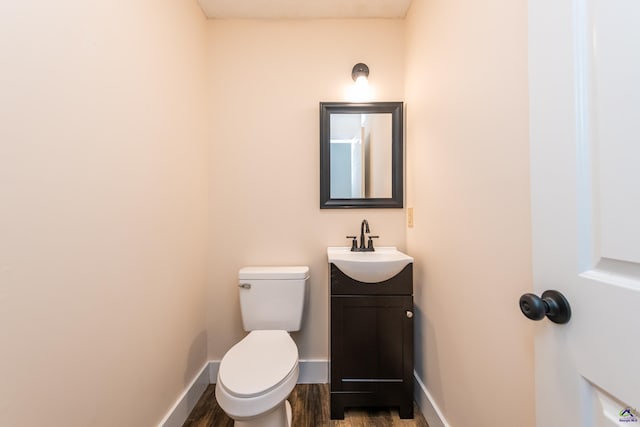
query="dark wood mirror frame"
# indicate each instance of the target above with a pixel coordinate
(397, 142)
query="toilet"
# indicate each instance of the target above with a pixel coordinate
(258, 373)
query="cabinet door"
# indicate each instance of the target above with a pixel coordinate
(371, 341)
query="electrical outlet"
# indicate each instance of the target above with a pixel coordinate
(410, 217)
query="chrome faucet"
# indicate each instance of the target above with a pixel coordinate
(364, 228)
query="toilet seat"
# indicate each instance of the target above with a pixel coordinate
(259, 363)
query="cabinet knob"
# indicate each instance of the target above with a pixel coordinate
(409, 314)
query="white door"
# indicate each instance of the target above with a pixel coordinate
(584, 71)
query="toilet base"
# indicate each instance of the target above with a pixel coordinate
(280, 416)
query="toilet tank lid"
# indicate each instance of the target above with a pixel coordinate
(274, 272)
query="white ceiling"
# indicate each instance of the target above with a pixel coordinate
(274, 9)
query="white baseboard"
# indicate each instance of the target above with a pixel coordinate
(427, 405)
(313, 371)
(187, 401)
(214, 366)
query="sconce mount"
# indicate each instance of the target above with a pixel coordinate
(360, 70)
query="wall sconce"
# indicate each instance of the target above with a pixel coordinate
(360, 73)
(360, 91)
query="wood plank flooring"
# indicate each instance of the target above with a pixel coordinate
(310, 405)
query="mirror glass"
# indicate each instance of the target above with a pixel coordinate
(361, 155)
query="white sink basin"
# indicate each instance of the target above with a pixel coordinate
(369, 267)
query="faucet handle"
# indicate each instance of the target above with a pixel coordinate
(370, 243)
(354, 242)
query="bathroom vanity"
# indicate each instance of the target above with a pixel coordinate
(371, 335)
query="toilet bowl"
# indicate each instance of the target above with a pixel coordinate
(255, 378)
(259, 372)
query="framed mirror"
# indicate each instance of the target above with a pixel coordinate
(361, 156)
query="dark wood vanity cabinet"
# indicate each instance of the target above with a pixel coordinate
(371, 343)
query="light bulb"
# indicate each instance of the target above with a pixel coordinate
(362, 81)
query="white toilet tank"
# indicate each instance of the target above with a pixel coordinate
(273, 297)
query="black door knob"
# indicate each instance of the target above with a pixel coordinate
(552, 304)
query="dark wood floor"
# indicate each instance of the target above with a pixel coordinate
(310, 405)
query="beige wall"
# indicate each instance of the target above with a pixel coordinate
(267, 78)
(103, 199)
(466, 93)
(114, 173)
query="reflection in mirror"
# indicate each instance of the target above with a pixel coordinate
(361, 155)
